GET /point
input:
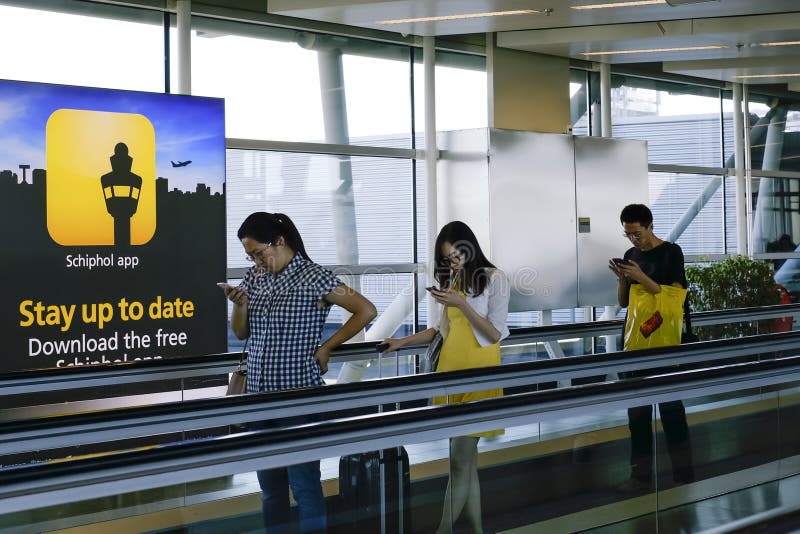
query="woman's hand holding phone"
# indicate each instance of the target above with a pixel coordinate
(448, 297)
(237, 295)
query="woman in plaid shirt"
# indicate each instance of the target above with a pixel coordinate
(281, 306)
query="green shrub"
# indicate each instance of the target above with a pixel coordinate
(737, 282)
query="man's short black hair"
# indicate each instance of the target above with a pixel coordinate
(636, 213)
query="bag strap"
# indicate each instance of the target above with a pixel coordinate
(687, 315)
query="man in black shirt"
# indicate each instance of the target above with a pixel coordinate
(652, 263)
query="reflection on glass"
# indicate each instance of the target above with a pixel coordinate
(555, 476)
(776, 218)
(734, 443)
(774, 132)
(789, 405)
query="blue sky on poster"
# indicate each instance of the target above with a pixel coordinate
(187, 128)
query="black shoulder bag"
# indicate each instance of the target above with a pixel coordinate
(688, 335)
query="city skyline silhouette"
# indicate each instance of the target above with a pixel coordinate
(185, 257)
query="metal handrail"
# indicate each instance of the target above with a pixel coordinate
(760, 522)
(27, 487)
(121, 423)
(142, 371)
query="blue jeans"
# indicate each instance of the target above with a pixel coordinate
(304, 480)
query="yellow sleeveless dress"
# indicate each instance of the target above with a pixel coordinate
(461, 350)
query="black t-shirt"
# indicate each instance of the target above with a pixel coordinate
(663, 264)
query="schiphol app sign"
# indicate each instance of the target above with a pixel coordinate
(112, 216)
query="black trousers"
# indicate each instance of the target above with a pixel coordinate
(676, 432)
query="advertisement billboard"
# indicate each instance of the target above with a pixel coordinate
(112, 216)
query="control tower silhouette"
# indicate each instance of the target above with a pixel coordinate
(121, 189)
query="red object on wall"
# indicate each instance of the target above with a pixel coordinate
(782, 324)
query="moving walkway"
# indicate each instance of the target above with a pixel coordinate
(563, 454)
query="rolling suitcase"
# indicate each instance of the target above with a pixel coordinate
(375, 491)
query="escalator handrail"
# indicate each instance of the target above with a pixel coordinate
(27, 487)
(13, 383)
(119, 423)
(760, 522)
(536, 334)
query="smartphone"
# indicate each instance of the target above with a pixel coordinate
(225, 286)
(620, 261)
(434, 288)
(380, 347)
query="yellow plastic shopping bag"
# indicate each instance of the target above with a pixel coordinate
(654, 320)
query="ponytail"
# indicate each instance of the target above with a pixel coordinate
(291, 234)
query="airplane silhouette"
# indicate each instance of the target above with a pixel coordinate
(180, 163)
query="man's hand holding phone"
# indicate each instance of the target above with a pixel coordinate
(236, 294)
(617, 266)
(626, 269)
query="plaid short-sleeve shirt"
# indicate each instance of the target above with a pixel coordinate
(286, 314)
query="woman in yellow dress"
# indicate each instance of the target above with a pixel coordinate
(475, 297)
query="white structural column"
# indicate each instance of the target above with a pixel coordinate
(334, 111)
(605, 99)
(738, 139)
(431, 155)
(610, 312)
(184, 16)
(748, 170)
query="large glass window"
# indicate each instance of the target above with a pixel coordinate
(288, 85)
(680, 123)
(349, 210)
(580, 110)
(687, 209)
(776, 218)
(729, 140)
(461, 92)
(731, 228)
(108, 46)
(774, 133)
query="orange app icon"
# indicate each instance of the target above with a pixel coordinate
(101, 178)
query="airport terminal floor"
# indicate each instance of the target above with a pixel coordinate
(169, 452)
